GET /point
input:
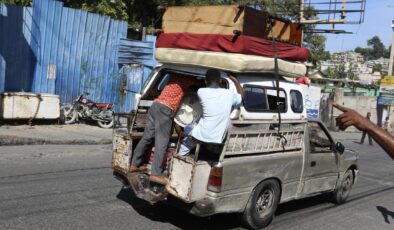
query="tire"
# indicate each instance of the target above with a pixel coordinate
(262, 204)
(106, 124)
(70, 115)
(340, 195)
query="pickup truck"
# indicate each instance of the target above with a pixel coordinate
(263, 160)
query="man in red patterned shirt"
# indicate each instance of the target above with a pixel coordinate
(158, 127)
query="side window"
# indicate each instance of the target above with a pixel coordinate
(296, 101)
(272, 102)
(319, 142)
(263, 99)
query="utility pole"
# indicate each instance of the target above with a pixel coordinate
(390, 73)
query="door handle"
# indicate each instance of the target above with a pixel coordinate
(313, 163)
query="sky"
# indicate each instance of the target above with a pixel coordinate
(378, 17)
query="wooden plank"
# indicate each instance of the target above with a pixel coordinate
(296, 33)
(198, 28)
(219, 15)
(280, 30)
(215, 20)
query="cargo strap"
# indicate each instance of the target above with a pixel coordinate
(278, 103)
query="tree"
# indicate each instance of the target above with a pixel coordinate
(336, 72)
(378, 49)
(17, 2)
(316, 43)
(113, 8)
(375, 50)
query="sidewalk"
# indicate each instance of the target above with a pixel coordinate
(83, 134)
(78, 134)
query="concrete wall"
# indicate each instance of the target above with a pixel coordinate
(361, 104)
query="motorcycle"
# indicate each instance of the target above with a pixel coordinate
(83, 108)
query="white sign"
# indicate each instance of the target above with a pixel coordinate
(51, 73)
(312, 96)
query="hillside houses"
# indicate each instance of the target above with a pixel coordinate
(353, 65)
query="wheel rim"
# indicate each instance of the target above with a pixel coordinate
(264, 202)
(106, 123)
(347, 186)
(69, 116)
(67, 110)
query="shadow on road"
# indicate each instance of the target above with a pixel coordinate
(385, 213)
(305, 203)
(168, 214)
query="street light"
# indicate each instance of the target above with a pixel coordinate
(390, 73)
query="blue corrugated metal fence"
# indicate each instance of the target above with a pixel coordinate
(17, 59)
(52, 49)
(138, 61)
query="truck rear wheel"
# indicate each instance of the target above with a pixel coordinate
(341, 194)
(262, 204)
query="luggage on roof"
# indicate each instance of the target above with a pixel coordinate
(239, 63)
(227, 20)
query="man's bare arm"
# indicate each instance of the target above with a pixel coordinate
(350, 117)
(237, 84)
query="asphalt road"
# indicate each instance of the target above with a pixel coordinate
(71, 187)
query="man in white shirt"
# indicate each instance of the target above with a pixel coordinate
(217, 104)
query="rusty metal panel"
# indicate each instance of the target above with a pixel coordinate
(181, 176)
(121, 151)
(188, 178)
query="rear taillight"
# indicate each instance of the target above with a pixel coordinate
(215, 178)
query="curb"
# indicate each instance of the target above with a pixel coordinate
(7, 140)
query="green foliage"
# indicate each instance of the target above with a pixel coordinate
(113, 8)
(316, 44)
(17, 2)
(377, 68)
(351, 75)
(336, 72)
(375, 50)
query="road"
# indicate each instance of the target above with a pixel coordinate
(71, 187)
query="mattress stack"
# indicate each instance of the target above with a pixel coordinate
(194, 35)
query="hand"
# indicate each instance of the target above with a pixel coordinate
(238, 86)
(350, 117)
(234, 79)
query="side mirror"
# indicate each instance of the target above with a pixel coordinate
(339, 147)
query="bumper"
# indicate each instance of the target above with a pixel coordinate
(211, 205)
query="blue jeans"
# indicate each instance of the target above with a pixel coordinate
(188, 142)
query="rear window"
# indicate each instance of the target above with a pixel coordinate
(263, 99)
(296, 101)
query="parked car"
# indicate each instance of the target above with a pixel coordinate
(265, 160)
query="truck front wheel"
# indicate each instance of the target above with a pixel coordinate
(341, 194)
(262, 204)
